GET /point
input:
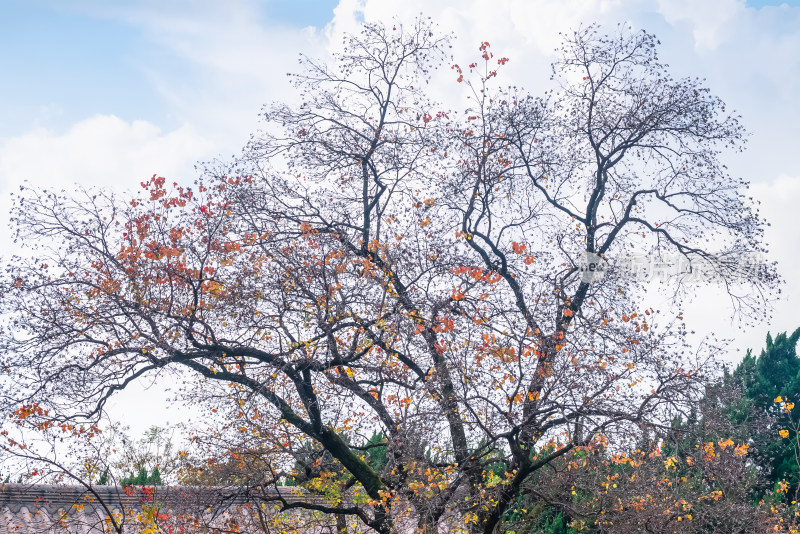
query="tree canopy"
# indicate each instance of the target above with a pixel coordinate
(377, 264)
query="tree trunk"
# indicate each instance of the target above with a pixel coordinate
(341, 524)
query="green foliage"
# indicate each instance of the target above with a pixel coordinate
(376, 451)
(774, 373)
(103, 480)
(314, 460)
(544, 520)
(142, 478)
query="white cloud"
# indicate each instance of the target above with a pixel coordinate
(218, 63)
(749, 57)
(231, 61)
(707, 313)
(712, 22)
(779, 201)
(103, 151)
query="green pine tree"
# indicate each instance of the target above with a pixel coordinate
(103, 480)
(774, 373)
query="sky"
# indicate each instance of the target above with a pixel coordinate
(108, 92)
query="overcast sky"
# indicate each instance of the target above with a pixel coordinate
(109, 92)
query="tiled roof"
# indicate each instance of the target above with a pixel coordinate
(58, 509)
(46, 509)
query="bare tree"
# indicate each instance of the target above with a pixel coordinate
(376, 263)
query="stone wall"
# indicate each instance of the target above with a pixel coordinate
(51, 509)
